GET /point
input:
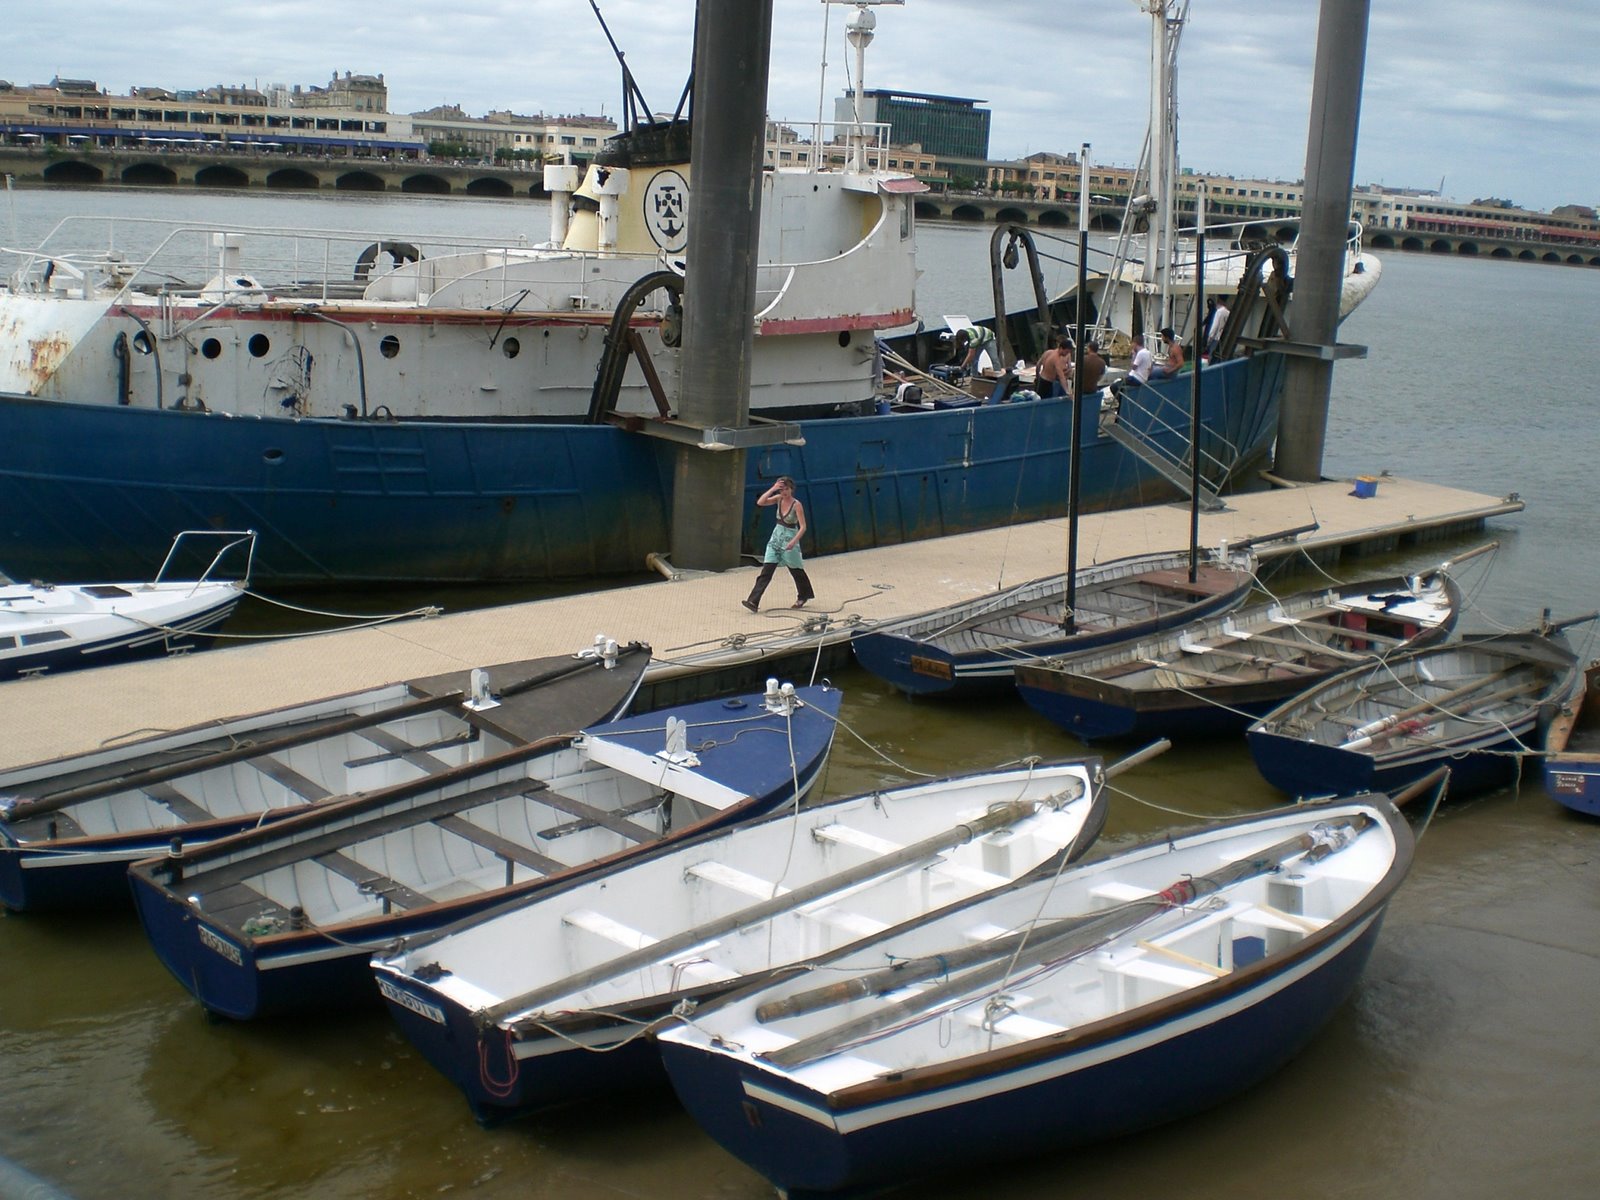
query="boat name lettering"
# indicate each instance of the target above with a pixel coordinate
(222, 946)
(406, 1000)
(930, 666)
(1568, 783)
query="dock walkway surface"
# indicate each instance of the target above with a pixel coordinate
(694, 623)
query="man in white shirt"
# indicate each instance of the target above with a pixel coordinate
(1214, 328)
(1139, 369)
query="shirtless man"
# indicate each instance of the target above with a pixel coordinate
(1055, 369)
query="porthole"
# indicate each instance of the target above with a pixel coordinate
(511, 347)
(844, 337)
(258, 345)
(390, 346)
(142, 343)
(272, 457)
(211, 348)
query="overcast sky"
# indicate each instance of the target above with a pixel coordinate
(1489, 97)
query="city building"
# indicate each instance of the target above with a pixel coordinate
(506, 134)
(339, 119)
(944, 126)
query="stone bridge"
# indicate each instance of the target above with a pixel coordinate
(279, 172)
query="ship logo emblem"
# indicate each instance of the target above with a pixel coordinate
(666, 210)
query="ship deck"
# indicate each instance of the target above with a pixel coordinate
(704, 641)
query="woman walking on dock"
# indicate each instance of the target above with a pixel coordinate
(784, 544)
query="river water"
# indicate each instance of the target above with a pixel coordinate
(1464, 1066)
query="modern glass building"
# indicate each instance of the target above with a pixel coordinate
(941, 125)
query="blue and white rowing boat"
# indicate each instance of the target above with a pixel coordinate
(602, 960)
(1124, 993)
(285, 918)
(1480, 705)
(70, 827)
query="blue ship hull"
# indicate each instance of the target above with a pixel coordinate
(94, 491)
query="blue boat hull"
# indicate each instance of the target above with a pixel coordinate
(1303, 768)
(1092, 720)
(195, 634)
(96, 877)
(502, 1086)
(1574, 782)
(249, 977)
(1085, 1091)
(94, 491)
(921, 665)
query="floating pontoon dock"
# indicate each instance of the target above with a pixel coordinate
(696, 624)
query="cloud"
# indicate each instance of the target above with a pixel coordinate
(1495, 95)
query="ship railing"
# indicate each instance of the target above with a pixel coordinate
(116, 256)
(828, 145)
(231, 540)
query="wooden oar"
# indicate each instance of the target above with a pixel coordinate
(21, 809)
(1364, 733)
(995, 959)
(1002, 816)
(1380, 730)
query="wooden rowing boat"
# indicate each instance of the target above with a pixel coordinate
(1126, 992)
(601, 960)
(970, 648)
(1480, 705)
(285, 918)
(70, 826)
(1217, 676)
(1572, 750)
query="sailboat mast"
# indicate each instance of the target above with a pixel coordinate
(1199, 307)
(1069, 612)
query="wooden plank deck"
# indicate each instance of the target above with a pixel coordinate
(694, 623)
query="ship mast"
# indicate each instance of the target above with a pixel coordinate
(858, 31)
(1167, 19)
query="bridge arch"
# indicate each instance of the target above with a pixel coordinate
(489, 186)
(73, 171)
(221, 176)
(1381, 241)
(1500, 252)
(359, 181)
(425, 185)
(928, 212)
(150, 174)
(291, 177)
(1470, 249)
(1527, 256)
(1412, 243)
(968, 212)
(1550, 256)
(1011, 216)
(1440, 246)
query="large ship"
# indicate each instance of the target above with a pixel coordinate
(381, 408)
